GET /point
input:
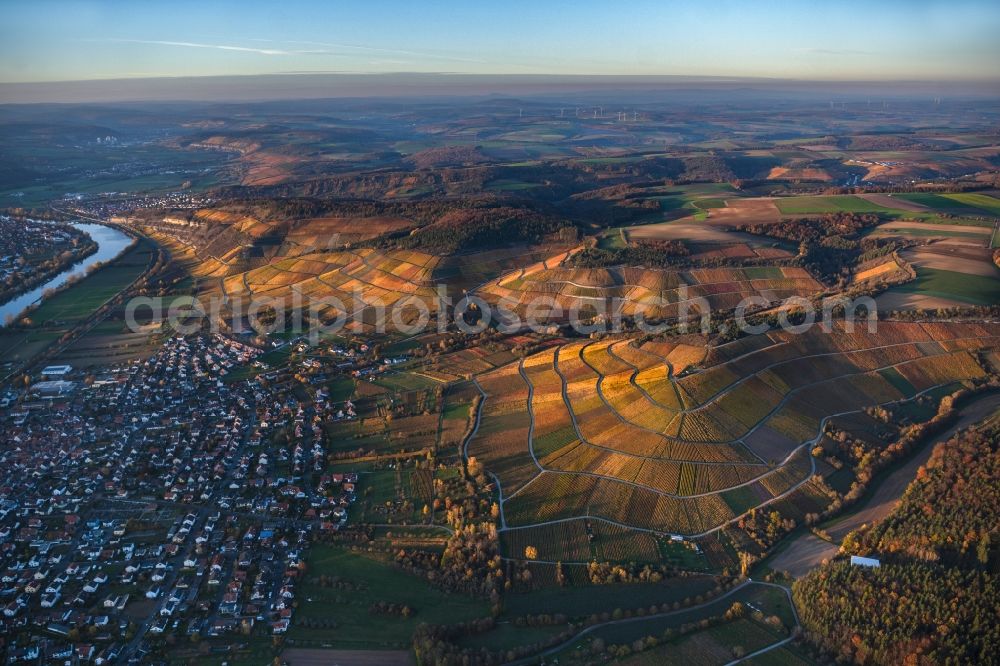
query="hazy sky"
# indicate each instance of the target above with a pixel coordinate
(58, 40)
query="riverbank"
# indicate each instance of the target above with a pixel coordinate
(111, 244)
(86, 247)
(74, 309)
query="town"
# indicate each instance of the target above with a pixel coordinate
(138, 502)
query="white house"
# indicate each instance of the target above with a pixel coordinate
(50, 371)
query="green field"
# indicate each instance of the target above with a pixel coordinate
(405, 381)
(983, 202)
(963, 203)
(20, 345)
(901, 383)
(962, 287)
(341, 388)
(508, 635)
(747, 635)
(457, 411)
(928, 233)
(611, 240)
(764, 272)
(511, 185)
(705, 204)
(363, 582)
(769, 600)
(740, 500)
(80, 300)
(587, 599)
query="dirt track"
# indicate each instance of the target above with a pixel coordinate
(804, 554)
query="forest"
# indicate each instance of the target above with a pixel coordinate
(933, 599)
(828, 244)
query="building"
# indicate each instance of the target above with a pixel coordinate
(870, 562)
(53, 389)
(56, 371)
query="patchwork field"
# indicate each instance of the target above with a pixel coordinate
(958, 234)
(674, 437)
(948, 274)
(976, 209)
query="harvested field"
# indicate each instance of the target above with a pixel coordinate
(896, 300)
(803, 555)
(885, 269)
(716, 251)
(745, 211)
(799, 173)
(961, 259)
(952, 233)
(889, 201)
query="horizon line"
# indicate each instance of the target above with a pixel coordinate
(288, 86)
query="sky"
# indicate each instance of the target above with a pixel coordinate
(76, 40)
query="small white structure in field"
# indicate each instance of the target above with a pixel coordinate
(870, 562)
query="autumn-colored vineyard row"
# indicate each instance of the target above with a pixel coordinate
(679, 438)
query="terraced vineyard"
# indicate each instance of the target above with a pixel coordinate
(361, 280)
(675, 437)
(626, 291)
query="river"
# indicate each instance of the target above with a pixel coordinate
(110, 244)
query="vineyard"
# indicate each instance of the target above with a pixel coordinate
(676, 437)
(652, 293)
(359, 279)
